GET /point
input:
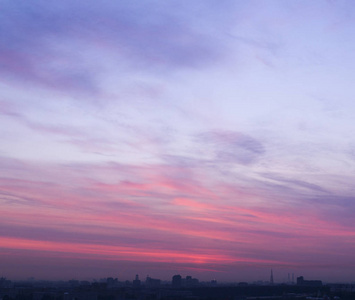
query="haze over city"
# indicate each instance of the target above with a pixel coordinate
(205, 138)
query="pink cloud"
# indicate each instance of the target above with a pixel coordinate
(174, 219)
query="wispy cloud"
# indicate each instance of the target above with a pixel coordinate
(232, 147)
(140, 35)
(90, 217)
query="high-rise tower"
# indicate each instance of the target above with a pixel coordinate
(136, 282)
(271, 278)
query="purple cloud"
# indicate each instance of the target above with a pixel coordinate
(144, 36)
(289, 183)
(233, 147)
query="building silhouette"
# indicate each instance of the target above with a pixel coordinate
(136, 282)
(190, 282)
(152, 283)
(271, 277)
(302, 282)
(176, 281)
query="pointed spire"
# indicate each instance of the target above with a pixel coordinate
(271, 278)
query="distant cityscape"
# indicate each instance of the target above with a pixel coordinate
(180, 287)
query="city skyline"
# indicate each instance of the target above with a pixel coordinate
(203, 138)
(177, 287)
(178, 281)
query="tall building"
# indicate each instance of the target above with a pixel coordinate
(271, 278)
(136, 282)
(176, 282)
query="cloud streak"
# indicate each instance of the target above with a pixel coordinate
(172, 221)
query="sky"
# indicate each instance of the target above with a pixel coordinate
(205, 138)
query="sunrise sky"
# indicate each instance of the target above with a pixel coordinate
(204, 138)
